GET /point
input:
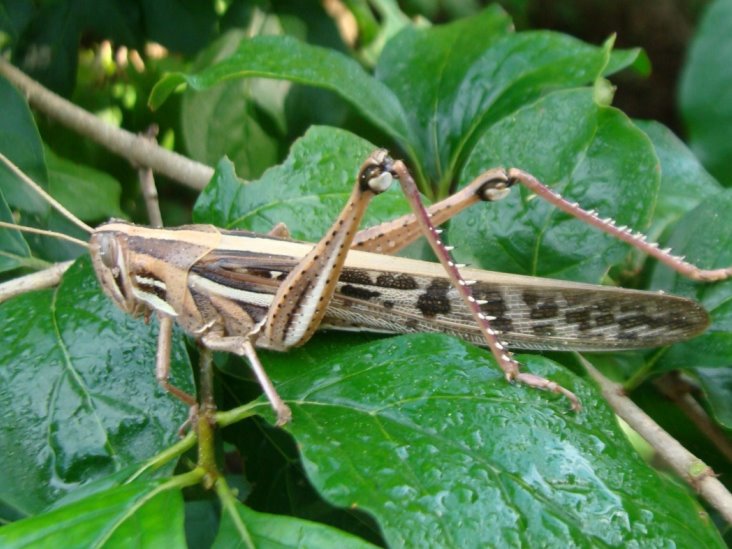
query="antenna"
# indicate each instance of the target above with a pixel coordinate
(52, 201)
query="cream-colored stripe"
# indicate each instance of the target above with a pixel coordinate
(356, 259)
(154, 301)
(150, 281)
(301, 321)
(207, 286)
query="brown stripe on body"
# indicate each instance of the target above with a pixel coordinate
(169, 264)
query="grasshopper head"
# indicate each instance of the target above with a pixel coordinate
(110, 260)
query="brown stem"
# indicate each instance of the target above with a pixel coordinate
(135, 148)
(689, 467)
(676, 389)
(37, 281)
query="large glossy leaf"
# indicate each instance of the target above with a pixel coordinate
(237, 118)
(79, 400)
(704, 236)
(125, 516)
(424, 433)
(306, 192)
(21, 143)
(704, 95)
(425, 69)
(443, 85)
(456, 79)
(717, 386)
(241, 524)
(589, 153)
(89, 194)
(684, 182)
(284, 57)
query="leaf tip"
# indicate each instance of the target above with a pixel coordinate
(168, 84)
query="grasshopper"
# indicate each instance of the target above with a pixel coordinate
(237, 291)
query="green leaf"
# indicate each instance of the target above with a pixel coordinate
(374, 34)
(234, 118)
(684, 182)
(455, 80)
(717, 386)
(89, 194)
(704, 95)
(202, 521)
(284, 57)
(279, 484)
(590, 154)
(125, 516)
(14, 250)
(424, 433)
(79, 400)
(427, 69)
(306, 192)
(21, 143)
(634, 58)
(276, 531)
(704, 237)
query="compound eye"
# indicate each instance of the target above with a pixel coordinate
(108, 251)
(375, 174)
(380, 182)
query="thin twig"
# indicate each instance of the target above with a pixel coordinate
(36, 281)
(43, 232)
(40, 191)
(128, 145)
(678, 390)
(689, 467)
(147, 185)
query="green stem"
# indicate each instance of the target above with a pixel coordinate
(207, 419)
(190, 478)
(157, 461)
(640, 376)
(34, 263)
(224, 419)
(229, 503)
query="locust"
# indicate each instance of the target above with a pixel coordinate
(238, 291)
